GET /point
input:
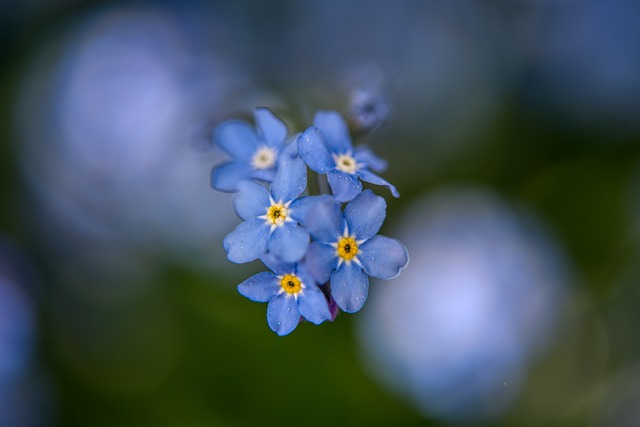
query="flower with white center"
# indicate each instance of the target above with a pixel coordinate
(346, 163)
(327, 149)
(264, 158)
(290, 291)
(254, 153)
(347, 250)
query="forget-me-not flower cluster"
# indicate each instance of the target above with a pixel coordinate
(320, 253)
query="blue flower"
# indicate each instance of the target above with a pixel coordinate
(272, 218)
(346, 249)
(327, 149)
(290, 291)
(254, 155)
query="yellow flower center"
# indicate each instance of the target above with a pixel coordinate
(345, 163)
(276, 214)
(291, 284)
(264, 158)
(347, 248)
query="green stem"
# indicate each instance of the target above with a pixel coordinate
(323, 184)
(317, 184)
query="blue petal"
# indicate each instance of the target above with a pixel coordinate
(290, 180)
(237, 138)
(334, 131)
(272, 128)
(371, 177)
(260, 287)
(306, 205)
(383, 257)
(251, 200)
(282, 314)
(363, 154)
(344, 186)
(313, 305)
(226, 176)
(265, 175)
(349, 287)
(312, 150)
(365, 215)
(291, 146)
(289, 242)
(324, 220)
(247, 242)
(320, 261)
(277, 265)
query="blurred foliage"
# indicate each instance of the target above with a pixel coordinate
(190, 352)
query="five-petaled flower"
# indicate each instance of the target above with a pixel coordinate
(254, 155)
(327, 149)
(346, 248)
(271, 218)
(290, 291)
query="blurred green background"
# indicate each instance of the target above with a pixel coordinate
(118, 306)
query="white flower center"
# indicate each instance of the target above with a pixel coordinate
(345, 163)
(264, 158)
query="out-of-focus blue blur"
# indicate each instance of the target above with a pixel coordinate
(121, 155)
(480, 299)
(512, 131)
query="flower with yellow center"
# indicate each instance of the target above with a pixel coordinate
(291, 284)
(272, 217)
(264, 158)
(291, 293)
(347, 248)
(277, 214)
